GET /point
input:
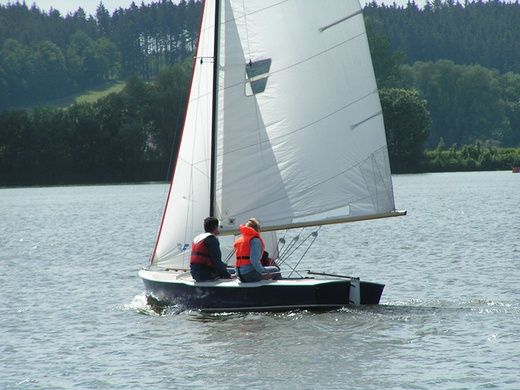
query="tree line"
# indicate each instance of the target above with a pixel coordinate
(427, 50)
(44, 55)
(130, 136)
(476, 157)
(125, 136)
(467, 103)
(472, 32)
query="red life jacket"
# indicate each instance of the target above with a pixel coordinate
(243, 245)
(199, 251)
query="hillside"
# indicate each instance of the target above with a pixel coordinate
(46, 56)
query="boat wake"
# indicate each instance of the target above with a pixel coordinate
(480, 306)
(147, 305)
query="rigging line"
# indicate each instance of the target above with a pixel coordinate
(229, 256)
(295, 249)
(279, 248)
(315, 236)
(367, 185)
(257, 109)
(292, 132)
(302, 61)
(291, 244)
(378, 174)
(247, 30)
(356, 166)
(317, 54)
(389, 189)
(287, 252)
(240, 84)
(255, 11)
(193, 166)
(293, 269)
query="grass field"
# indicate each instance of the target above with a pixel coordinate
(88, 96)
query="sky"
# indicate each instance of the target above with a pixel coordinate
(68, 6)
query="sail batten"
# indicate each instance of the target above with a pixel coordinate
(342, 201)
(292, 132)
(341, 20)
(299, 62)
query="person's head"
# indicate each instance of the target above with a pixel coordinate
(211, 225)
(253, 223)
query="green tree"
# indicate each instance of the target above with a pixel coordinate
(17, 149)
(3, 90)
(469, 32)
(14, 61)
(89, 143)
(48, 70)
(104, 60)
(169, 106)
(51, 137)
(464, 101)
(77, 50)
(510, 89)
(407, 123)
(386, 63)
(103, 20)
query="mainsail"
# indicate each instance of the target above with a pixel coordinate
(299, 134)
(301, 139)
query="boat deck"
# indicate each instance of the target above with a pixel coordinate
(184, 277)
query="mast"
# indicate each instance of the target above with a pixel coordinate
(214, 118)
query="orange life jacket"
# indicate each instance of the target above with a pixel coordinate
(243, 245)
(199, 251)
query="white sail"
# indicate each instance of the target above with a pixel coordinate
(301, 137)
(188, 201)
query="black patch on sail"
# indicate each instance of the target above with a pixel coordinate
(258, 73)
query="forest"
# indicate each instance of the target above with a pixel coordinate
(45, 55)
(124, 137)
(448, 82)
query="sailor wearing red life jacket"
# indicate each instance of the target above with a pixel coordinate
(206, 257)
(249, 249)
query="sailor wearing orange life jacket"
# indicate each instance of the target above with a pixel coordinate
(206, 257)
(249, 249)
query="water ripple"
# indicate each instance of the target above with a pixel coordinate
(73, 314)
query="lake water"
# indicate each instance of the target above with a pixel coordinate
(73, 314)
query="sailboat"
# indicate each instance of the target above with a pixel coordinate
(283, 124)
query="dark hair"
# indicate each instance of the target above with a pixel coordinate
(210, 224)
